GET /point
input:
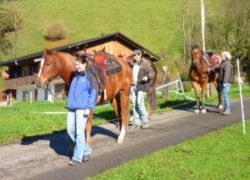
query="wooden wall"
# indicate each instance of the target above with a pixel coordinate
(112, 47)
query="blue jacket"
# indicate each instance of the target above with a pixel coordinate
(83, 91)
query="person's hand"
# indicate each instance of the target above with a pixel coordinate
(145, 78)
(86, 112)
(224, 84)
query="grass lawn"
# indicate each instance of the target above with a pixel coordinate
(157, 25)
(224, 154)
(22, 120)
(154, 24)
(174, 100)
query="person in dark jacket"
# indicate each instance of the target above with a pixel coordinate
(225, 79)
(81, 101)
(142, 74)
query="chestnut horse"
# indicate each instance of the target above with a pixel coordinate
(117, 85)
(201, 72)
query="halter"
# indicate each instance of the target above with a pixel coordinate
(202, 59)
(49, 65)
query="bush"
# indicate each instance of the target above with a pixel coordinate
(187, 86)
(56, 31)
(10, 20)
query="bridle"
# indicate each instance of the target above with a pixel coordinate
(49, 67)
(199, 62)
(203, 58)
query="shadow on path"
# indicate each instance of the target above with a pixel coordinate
(59, 142)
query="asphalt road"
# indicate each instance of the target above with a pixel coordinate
(46, 158)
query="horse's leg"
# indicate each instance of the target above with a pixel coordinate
(149, 109)
(114, 102)
(124, 102)
(196, 90)
(89, 128)
(115, 106)
(203, 91)
(151, 99)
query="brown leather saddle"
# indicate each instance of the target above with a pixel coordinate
(104, 69)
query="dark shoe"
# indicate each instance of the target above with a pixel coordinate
(144, 125)
(86, 158)
(226, 112)
(74, 162)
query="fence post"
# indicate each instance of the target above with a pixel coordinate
(241, 98)
(182, 88)
(165, 80)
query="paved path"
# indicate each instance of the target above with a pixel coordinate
(45, 157)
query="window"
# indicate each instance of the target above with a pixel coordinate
(25, 71)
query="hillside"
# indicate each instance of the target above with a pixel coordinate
(154, 24)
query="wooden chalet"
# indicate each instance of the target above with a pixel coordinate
(23, 70)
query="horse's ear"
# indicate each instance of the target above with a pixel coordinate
(103, 49)
(194, 46)
(47, 51)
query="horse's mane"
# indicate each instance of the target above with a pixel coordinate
(69, 59)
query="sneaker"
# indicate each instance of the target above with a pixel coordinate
(144, 125)
(74, 162)
(86, 158)
(226, 112)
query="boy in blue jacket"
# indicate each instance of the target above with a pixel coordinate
(81, 100)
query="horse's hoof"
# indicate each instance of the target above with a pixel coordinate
(203, 111)
(120, 140)
(220, 107)
(197, 111)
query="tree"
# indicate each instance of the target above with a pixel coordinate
(10, 20)
(190, 28)
(229, 29)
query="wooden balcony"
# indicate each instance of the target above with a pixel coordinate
(15, 83)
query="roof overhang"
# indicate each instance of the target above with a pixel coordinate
(84, 45)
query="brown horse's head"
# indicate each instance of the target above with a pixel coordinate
(196, 54)
(48, 68)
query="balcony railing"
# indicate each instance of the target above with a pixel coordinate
(14, 83)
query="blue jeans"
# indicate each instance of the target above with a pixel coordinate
(225, 91)
(76, 124)
(140, 114)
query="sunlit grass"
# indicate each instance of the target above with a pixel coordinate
(153, 24)
(24, 119)
(223, 154)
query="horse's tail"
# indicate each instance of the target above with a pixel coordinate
(152, 105)
(151, 98)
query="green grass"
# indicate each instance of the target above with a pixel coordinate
(157, 25)
(21, 120)
(177, 101)
(153, 24)
(224, 154)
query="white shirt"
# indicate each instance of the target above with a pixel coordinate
(136, 68)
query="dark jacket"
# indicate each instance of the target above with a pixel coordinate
(83, 91)
(226, 73)
(145, 70)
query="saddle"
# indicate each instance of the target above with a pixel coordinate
(213, 60)
(103, 68)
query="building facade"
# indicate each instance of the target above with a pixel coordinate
(22, 72)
